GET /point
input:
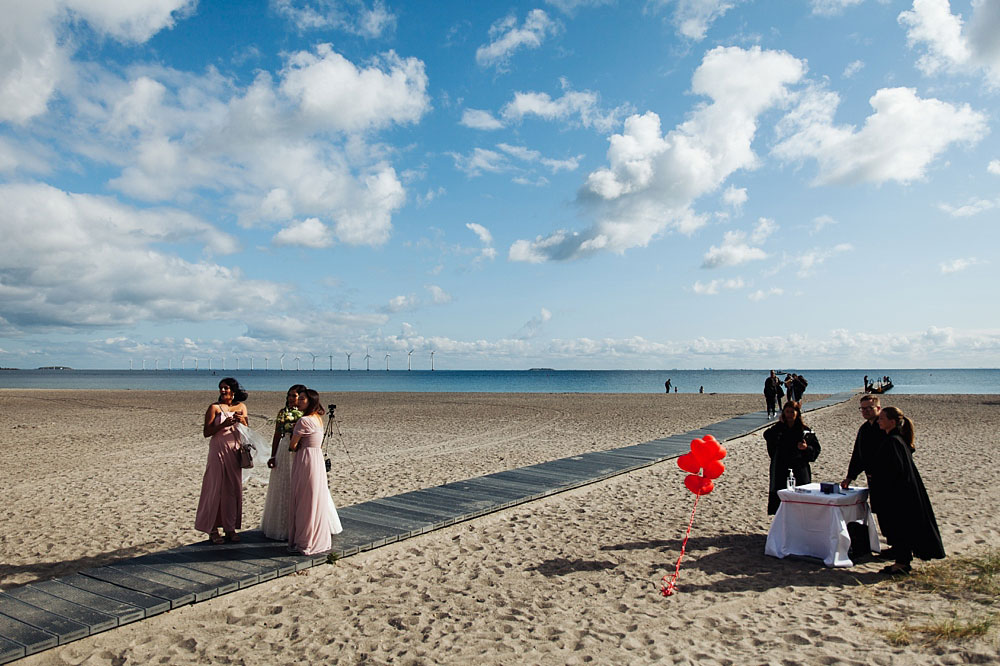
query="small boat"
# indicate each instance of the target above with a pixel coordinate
(881, 388)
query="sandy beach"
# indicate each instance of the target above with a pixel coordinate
(93, 476)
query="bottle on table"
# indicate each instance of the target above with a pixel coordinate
(790, 483)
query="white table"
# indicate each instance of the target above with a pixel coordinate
(814, 524)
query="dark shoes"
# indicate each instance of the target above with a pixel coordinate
(896, 569)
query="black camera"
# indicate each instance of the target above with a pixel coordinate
(331, 408)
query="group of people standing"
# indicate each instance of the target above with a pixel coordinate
(793, 387)
(883, 450)
(298, 506)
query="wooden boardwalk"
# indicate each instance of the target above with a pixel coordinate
(45, 614)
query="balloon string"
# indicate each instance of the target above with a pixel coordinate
(670, 587)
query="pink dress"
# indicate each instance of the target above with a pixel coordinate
(221, 501)
(312, 516)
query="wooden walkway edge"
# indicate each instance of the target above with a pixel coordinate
(45, 614)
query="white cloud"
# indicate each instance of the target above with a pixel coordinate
(480, 160)
(308, 233)
(692, 18)
(949, 45)
(507, 37)
(83, 260)
(570, 6)
(761, 294)
(957, 265)
(764, 228)
(529, 155)
(583, 106)
(653, 179)
(853, 68)
(266, 146)
(733, 252)
(735, 197)
(331, 93)
(354, 17)
(438, 295)
(485, 237)
(898, 141)
(534, 325)
(994, 167)
(820, 222)
(713, 287)
(810, 260)
(401, 303)
(35, 59)
(972, 208)
(478, 119)
(832, 7)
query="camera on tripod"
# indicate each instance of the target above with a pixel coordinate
(331, 408)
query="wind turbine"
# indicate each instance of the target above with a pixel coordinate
(130, 364)
(282, 361)
(331, 362)
(296, 359)
(182, 361)
(156, 364)
(237, 362)
(223, 363)
(265, 362)
(314, 360)
(432, 360)
(251, 364)
(408, 355)
(168, 365)
(196, 364)
(387, 355)
(348, 360)
(368, 357)
(209, 362)
(143, 364)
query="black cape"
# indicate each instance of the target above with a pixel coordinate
(783, 447)
(905, 513)
(865, 457)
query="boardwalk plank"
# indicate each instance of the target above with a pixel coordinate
(95, 621)
(149, 603)
(64, 629)
(30, 639)
(122, 612)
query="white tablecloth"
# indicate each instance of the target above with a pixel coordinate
(814, 524)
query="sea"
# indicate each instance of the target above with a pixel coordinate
(955, 381)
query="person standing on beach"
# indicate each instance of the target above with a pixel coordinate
(274, 520)
(791, 446)
(312, 517)
(800, 384)
(906, 517)
(221, 500)
(666, 385)
(867, 450)
(771, 393)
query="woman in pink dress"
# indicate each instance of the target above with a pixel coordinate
(221, 501)
(312, 517)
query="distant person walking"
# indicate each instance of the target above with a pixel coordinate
(800, 384)
(666, 385)
(771, 388)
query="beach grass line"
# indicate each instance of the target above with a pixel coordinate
(971, 583)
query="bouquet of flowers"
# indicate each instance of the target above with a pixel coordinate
(287, 419)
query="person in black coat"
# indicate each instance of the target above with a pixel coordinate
(772, 387)
(792, 446)
(905, 513)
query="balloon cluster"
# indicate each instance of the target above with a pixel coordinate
(706, 457)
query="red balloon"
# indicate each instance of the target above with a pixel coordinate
(689, 463)
(709, 438)
(698, 485)
(722, 451)
(713, 469)
(706, 450)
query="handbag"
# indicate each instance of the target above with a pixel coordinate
(246, 457)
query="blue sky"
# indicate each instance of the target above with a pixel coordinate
(561, 183)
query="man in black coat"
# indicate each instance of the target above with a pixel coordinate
(867, 444)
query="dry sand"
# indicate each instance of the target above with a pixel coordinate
(92, 476)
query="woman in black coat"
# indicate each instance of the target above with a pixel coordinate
(905, 513)
(792, 446)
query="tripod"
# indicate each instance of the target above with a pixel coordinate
(330, 424)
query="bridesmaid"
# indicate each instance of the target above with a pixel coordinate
(221, 501)
(274, 521)
(312, 517)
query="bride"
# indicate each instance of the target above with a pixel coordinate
(274, 522)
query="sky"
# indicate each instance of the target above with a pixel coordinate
(585, 184)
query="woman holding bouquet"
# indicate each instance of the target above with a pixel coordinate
(221, 501)
(312, 517)
(274, 521)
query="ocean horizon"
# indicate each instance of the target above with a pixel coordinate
(542, 380)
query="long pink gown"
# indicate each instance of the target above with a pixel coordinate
(221, 501)
(312, 516)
